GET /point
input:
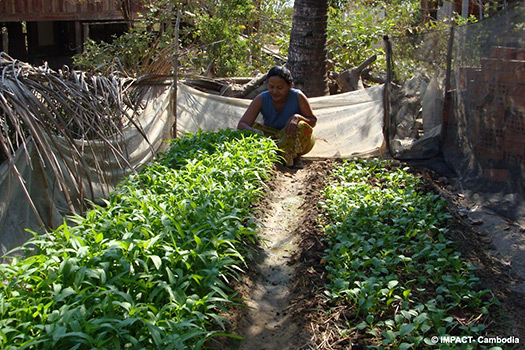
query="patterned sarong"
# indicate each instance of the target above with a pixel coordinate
(293, 146)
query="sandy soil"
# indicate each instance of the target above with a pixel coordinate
(284, 305)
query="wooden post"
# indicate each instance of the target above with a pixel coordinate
(447, 99)
(85, 34)
(387, 123)
(79, 44)
(449, 58)
(464, 8)
(5, 39)
(481, 10)
(175, 63)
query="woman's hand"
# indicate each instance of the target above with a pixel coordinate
(291, 126)
(250, 114)
(256, 131)
(245, 127)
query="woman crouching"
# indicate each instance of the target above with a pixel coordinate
(287, 116)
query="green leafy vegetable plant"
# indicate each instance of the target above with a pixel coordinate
(151, 268)
(390, 258)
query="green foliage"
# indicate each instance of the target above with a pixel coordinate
(229, 34)
(220, 34)
(150, 270)
(145, 42)
(390, 258)
(124, 54)
(356, 30)
(423, 50)
(231, 38)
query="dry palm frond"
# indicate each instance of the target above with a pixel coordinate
(63, 112)
(158, 61)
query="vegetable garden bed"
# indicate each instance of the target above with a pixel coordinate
(152, 269)
(391, 260)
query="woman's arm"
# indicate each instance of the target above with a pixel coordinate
(307, 115)
(250, 114)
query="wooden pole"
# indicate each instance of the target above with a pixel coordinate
(175, 62)
(449, 58)
(447, 98)
(85, 34)
(464, 8)
(387, 123)
(78, 38)
(5, 40)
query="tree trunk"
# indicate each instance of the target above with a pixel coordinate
(307, 50)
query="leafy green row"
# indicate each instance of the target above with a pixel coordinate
(390, 258)
(149, 270)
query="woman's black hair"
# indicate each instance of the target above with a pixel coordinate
(280, 71)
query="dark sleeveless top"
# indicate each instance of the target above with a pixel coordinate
(277, 120)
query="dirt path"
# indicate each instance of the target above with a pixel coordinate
(268, 324)
(277, 289)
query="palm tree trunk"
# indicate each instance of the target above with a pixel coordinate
(307, 50)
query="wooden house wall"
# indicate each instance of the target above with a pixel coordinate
(59, 10)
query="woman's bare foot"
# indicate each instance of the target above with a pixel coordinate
(298, 163)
